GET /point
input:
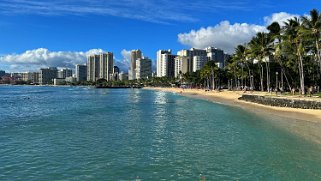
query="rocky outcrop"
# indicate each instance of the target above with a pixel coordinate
(282, 102)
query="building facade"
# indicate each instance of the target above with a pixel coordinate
(216, 55)
(182, 65)
(46, 75)
(143, 68)
(100, 66)
(63, 73)
(134, 55)
(165, 66)
(81, 72)
(199, 62)
(123, 76)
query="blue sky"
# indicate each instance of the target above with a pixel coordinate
(40, 33)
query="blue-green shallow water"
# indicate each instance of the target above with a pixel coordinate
(78, 133)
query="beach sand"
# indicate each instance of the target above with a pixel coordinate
(231, 98)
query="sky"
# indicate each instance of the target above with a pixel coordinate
(42, 33)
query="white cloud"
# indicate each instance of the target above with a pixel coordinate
(227, 36)
(32, 60)
(126, 55)
(124, 62)
(224, 35)
(279, 17)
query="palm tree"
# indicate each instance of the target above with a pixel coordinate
(261, 49)
(242, 59)
(208, 73)
(205, 74)
(275, 32)
(294, 38)
(311, 26)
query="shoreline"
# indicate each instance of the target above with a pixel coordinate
(231, 98)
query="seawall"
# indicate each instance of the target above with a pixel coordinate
(282, 102)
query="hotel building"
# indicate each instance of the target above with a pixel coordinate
(81, 72)
(100, 66)
(216, 55)
(143, 68)
(165, 63)
(63, 73)
(46, 75)
(134, 55)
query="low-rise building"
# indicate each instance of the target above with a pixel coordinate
(123, 76)
(58, 81)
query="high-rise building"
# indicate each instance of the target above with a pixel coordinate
(134, 55)
(191, 55)
(216, 55)
(63, 73)
(188, 55)
(199, 62)
(81, 72)
(46, 75)
(93, 67)
(165, 63)
(143, 68)
(100, 66)
(182, 65)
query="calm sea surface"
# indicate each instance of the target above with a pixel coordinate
(80, 133)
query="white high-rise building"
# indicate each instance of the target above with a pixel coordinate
(195, 58)
(165, 63)
(199, 62)
(100, 66)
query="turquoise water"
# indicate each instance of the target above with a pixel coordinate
(79, 133)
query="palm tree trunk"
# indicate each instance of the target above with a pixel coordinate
(235, 79)
(213, 79)
(267, 76)
(301, 72)
(242, 81)
(248, 67)
(319, 59)
(261, 77)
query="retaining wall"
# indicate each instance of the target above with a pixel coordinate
(282, 102)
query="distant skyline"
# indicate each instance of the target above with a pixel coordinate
(61, 33)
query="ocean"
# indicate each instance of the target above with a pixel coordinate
(82, 133)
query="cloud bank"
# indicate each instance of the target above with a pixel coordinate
(32, 60)
(224, 35)
(227, 36)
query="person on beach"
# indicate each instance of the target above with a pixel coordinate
(310, 91)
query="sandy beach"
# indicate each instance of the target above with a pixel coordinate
(231, 98)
